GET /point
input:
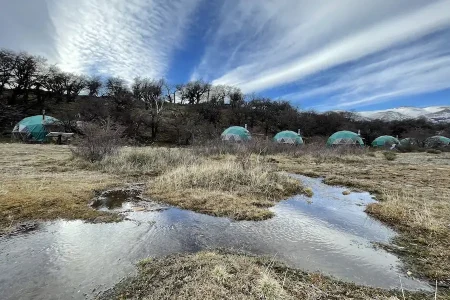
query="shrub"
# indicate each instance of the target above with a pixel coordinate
(389, 155)
(98, 141)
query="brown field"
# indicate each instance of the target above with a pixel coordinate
(44, 182)
(414, 194)
(37, 182)
(218, 275)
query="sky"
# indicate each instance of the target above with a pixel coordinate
(318, 54)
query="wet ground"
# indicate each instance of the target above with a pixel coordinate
(329, 233)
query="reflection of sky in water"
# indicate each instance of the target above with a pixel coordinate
(331, 235)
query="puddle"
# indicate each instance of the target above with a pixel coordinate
(75, 260)
(125, 200)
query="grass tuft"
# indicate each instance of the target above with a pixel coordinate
(389, 155)
(225, 188)
(220, 275)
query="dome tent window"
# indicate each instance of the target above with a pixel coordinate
(288, 137)
(236, 134)
(345, 138)
(36, 128)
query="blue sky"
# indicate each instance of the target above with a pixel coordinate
(321, 54)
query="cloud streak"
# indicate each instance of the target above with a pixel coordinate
(284, 47)
(419, 68)
(123, 38)
(345, 53)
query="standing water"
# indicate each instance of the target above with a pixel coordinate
(329, 233)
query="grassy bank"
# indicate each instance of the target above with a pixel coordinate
(217, 275)
(36, 182)
(45, 182)
(225, 187)
(414, 194)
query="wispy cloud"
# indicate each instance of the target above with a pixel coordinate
(124, 38)
(260, 46)
(414, 69)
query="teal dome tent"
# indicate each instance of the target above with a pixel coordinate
(347, 138)
(288, 137)
(35, 128)
(236, 134)
(385, 141)
(437, 141)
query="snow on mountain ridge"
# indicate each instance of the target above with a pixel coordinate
(433, 113)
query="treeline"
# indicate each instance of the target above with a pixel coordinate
(152, 110)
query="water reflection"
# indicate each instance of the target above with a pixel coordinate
(73, 260)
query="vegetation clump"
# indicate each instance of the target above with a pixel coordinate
(98, 141)
(226, 187)
(389, 155)
(145, 161)
(222, 275)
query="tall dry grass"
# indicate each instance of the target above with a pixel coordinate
(145, 161)
(225, 187)
(316, 148)
(228, 175)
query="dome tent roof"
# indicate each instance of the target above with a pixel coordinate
(344, 138)
(385, 140)
(34, 128)
(288, 137)
(236, 133)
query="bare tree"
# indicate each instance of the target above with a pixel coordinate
(25, 73)
(53, 81)
(73, 85)
(236, 97)
(218, 94)
(181, 90)
(115, 86)
(195, 90)
(151, 93)
(6, 67)
(94, 84)
(171, 92)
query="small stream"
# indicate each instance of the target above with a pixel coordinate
(329, 233)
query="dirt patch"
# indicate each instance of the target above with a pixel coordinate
(224, 275)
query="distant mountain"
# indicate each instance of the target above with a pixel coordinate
(435, 114)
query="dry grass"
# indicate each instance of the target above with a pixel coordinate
(35, 183)
(219, 275)
(225, 187)
(415, 198)
(142, 161)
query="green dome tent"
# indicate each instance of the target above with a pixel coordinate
(236, 134)
(288, 137)
(348, 138)
(437, 141)
(35, 128)
(385, 141)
